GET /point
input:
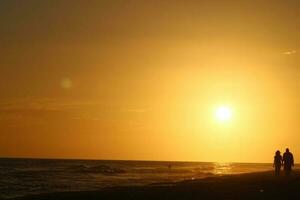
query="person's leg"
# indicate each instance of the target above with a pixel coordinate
(287, 170)
(277, 170)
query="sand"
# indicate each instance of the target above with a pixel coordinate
(262, 185)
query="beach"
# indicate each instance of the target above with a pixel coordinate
(261, 185)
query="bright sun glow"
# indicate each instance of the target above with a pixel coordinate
(223, 113)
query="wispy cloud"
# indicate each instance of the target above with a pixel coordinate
(46, 103)
(290, 52)
(49, 110)
(31, 108)
(134, 110)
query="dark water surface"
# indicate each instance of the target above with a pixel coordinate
(20, 177)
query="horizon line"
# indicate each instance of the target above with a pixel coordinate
(133, 160)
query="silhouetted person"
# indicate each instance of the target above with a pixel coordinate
(170, 167)
(277, 162)
(288, 161)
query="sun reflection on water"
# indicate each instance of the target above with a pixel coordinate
(223, 168)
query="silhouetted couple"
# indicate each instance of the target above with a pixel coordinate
(287, 160)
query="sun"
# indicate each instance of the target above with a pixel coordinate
(223, 113)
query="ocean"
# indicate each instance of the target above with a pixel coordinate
(21, 177)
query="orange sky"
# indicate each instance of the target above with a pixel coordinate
(142, 79)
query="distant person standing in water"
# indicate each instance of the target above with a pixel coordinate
(170, 166)
(288, 161)
(277, 162)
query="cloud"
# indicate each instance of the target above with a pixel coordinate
(290, 52)
(134, 110)
(45, 103)
(57, 110)
(45, 109)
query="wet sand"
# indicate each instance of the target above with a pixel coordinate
(262, 185)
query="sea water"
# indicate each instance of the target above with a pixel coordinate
(21, 177)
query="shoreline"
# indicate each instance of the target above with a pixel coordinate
(257, 185)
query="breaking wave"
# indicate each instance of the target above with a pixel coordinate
(99, 169)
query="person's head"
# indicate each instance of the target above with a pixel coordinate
(287, 150)
(277, 153)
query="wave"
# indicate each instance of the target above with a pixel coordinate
(98, 169)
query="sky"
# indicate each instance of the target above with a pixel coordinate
(142, 80)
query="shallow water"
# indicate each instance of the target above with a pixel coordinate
(21, 177)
